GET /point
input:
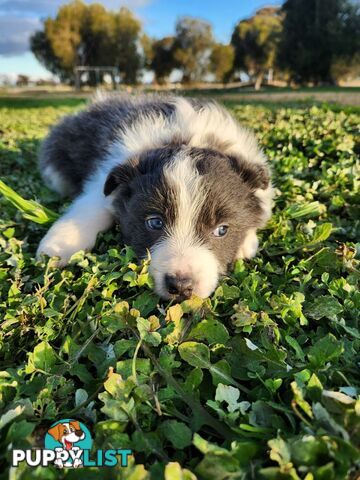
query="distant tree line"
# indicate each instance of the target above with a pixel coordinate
(303, 41)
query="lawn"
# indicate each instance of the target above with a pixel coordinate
(260, 381)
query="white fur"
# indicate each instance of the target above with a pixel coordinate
(184, 179)
(249, 246)
(212, 121)
(180, 252)
(55, 181)
(266, 198)
(77, 229)
(194, 261)
(196, 128)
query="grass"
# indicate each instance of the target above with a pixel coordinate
(261, 381)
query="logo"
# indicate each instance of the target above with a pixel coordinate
(68, 444)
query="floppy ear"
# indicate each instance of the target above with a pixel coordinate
(120, 175)
(56, 431)
(256, 175)
(76, 425)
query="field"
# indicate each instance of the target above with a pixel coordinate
(260, 381)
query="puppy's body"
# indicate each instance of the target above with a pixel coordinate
(175, 173)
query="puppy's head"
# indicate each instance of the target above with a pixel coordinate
(69, 432)
(192, 208)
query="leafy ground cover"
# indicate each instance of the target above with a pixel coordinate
(261, 381)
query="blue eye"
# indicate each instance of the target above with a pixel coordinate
(154, 223)
(221, 230)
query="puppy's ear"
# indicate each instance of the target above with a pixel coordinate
(120, 176)
(75, 424)
(256, 175)
(56, 432)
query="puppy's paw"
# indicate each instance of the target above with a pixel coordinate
(63, 241)
(53, 248)
(249, 246)
(77, 463)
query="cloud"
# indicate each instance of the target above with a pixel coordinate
(19, 19)
(49, 7)
(15, 33)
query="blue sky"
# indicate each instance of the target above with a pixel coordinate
(20, 18)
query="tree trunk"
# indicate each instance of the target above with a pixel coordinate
(270, 75)
(258, 81)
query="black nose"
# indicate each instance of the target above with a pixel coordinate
(178, 285)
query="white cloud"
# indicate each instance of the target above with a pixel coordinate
(19, 19)
(49, 7)
(15, 33)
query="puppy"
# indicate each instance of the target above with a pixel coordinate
(67, 434)
(180, 176)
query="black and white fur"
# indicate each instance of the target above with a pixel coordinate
(188, 162)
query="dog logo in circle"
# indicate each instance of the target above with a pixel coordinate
(69, 438)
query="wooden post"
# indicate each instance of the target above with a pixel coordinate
(77, 79)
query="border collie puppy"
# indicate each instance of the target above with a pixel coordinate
(180, 176)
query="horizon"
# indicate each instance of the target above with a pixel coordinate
(19, 19)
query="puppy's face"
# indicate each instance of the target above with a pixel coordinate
(192, 208)
(67, 433)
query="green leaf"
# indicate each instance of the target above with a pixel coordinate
(173, 471)
(322, 232)
(10, 415)
(19, 430)
(43, 358)
(196, 354)
(279, 451)
(221, 373)
(299, 397)
(295, 345)
(228, 394)
(146, 303)
(210, 330)
(324, 306)
(144, 326)
(80, 397)
(193, 379)
(177, 433)
(312, 209)
(30, 209)
(327, 422)
(324, 350)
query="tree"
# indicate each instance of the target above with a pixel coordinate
(41, 47)
(192, 47)
(147, 45)
(124, 46)
(222, 61)
(328, 34)
(90, 35)
(163, 61)
(256, 41)
(22, 80)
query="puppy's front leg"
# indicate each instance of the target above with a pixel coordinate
(77, 229)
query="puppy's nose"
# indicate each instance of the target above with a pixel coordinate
(179, 285)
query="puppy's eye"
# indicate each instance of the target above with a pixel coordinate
(221, 230)
(155, 222)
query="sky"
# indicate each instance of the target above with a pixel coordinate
(20, 18)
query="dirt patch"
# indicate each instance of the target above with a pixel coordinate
(344, 98)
